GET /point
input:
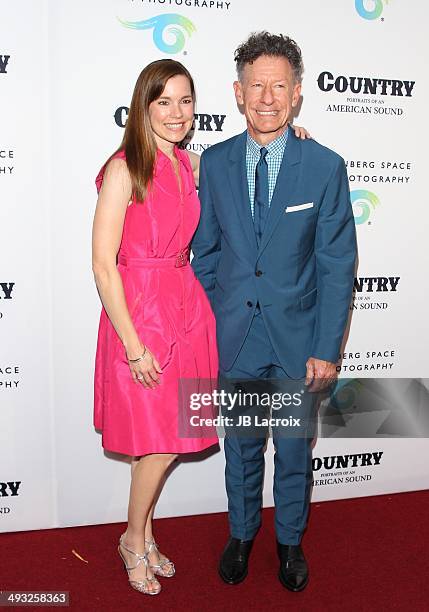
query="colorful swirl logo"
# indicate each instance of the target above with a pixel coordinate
(346, 393)
(365, 201)
(373, 13)
(165, 24)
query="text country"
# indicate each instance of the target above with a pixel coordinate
(346, 461)
(365, 85)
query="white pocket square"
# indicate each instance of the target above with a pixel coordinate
(290, 209)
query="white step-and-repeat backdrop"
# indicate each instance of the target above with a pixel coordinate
(67, 70)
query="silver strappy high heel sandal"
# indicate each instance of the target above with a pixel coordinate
(139, 585)
(160, 568)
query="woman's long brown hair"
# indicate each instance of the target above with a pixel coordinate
(138, 142)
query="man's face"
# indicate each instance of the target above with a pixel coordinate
(267, 92)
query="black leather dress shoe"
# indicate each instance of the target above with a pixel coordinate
(293, 572)
(233, 563)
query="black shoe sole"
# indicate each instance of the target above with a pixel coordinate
(228, 580)
(291, 588)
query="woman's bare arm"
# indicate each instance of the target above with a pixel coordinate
(109, 218)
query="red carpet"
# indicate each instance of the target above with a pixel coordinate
(364, 554)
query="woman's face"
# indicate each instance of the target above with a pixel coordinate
(172, 114)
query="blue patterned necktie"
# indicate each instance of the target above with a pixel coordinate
(261, 195)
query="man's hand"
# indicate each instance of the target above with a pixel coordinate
(320, 374)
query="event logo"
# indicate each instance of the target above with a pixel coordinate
(10, 488)
(367, 290)
(203, 122)
(365, 85)
(373, 13)
(6, 290)
(11, 377)
(385, 171)
(345, 468)
(336, 462)
(345, 392)
(217, 5)
(366, 202)
(4, 60)
(7, 155)
(165, 24)
(209, 123)
(375, 361)
(366, 95)
(369, 284)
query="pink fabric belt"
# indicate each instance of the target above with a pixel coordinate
(179, 261)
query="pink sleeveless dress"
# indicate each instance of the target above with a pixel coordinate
(171, 314)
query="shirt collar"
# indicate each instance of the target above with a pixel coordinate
(162, 160)
(275, 148)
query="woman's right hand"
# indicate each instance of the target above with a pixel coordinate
(147, 370)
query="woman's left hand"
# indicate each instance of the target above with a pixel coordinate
(301, 132)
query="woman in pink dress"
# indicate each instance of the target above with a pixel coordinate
(156, 324)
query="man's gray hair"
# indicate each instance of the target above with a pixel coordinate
(264, 43)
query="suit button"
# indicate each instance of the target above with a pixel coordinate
(250, 304)
(258, 273)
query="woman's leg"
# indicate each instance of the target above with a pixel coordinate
(155, 556)
(147, 478)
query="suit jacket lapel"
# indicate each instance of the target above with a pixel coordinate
(285, 186)
(237, 172)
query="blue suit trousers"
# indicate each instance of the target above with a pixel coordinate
(244, 471)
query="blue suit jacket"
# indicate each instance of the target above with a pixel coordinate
(301, 274)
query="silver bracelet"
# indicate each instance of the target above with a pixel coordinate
(138, 358)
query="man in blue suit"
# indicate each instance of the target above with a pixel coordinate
(275, 251)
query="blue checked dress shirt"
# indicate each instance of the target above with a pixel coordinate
(274, 158)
